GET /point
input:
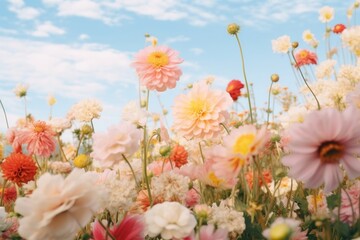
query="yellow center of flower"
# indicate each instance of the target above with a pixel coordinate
(328, 15)
(214, 179)
(308, 36)
(237, 162)
(39, 127)
(198, 107)
(303, 54)
(280, 232)
(81, 161)
(158, 59)
(244, 143)
(331, 152)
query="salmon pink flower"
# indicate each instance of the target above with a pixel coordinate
(12, 138)
(157, 67)
(199, 113)
(39, 138)
(18, 168)
(339, 28)
(318, 146)
(305, 57)
(234, 89)
(178, 155)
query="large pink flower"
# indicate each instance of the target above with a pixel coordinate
(39, 138)
(157, 67)
(318, 146)
(199, 113)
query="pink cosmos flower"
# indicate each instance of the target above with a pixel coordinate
(326, 139)
(305, 57)
(39, 138)
(130, 228)
(199, 113)
(157, 67)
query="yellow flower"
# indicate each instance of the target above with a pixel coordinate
(280, 232)
(81, 161)
(51, 100)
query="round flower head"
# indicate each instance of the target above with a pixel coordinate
(85, 110)
(285, 229)
(318, 146)
(339, 28)
(326, 14)
(234, 89)
(199, 113)
(305, 57)
(351, 39)
(157, 67)
(281, 44)
(18, 168)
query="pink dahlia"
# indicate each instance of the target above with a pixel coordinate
(199, 113)
(39, 138)
(157, 67)
(318, 146)
(305, 57)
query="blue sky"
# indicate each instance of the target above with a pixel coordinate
(76, 49)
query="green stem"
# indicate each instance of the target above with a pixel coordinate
(132, 170)
(201, 153)
(246, 82)
(226, 129)
(317, 101)
(268, 109)
(145, 175)
(92, 125)
(79, 144)
(6, 119)
(61, 148)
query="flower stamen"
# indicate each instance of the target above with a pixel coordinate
(331, 152)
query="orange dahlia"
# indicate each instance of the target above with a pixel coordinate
(18, 168)
(178, 155)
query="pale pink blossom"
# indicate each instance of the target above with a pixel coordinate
(318, 146)
(192, 198)
(349, 208)
(157, 67)
(208, 232)
(159, 167)
(199, 113)
(11, 136)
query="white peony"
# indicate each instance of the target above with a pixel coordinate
(59, 207)
(85, 110)
(60, 124)
(326, 14)
(281, 44)
(170, 220)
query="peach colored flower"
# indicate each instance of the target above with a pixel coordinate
(158, 167)
(266, 174)
(11, 136)
(178, 155)
(305, 57)
(157, 67)
(316, 153)
(199, 113)
(39, 138)
(18, 168)
(10, 195)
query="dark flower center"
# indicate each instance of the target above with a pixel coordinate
(330, 152)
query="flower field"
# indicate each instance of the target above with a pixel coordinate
(214, 172)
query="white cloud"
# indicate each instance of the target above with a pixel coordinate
(46, 29)
(197, 51)
(8, 31)
(175, 39)
(22, 12)
(83, 37)
(72, 71)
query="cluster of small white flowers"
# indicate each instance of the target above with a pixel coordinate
(124, 170)
(295, 114)
(349, 75)
(227, 218)
(325, 69)
(60, 124)
(121, 194)
(85, 110)
(351, 39)
(133, 113)
(281, 44)
(170, 186)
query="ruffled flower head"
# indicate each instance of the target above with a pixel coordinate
(234, 89)
(305, 57)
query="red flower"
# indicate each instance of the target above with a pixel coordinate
(305, 57)
(178, 156)
(339, 28)
(19, 168)
(10, 195)
(234, 89)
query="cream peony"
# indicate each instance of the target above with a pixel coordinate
(281, 44)
(58, 208)
(170, 220)
(85, 110)
(120, 139)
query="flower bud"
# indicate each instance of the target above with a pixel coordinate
(164, 150)
(275, 77)
(81, 161)
(294, 44)
(280, 232)
(86, 129)
(233, 28)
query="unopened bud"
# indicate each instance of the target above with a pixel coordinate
(275, 77)
(294, 44)
(233, 28)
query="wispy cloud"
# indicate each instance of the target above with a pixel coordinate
(46, 29)
(175, 39)
(197, 51)
(83, 37)
(22, 11)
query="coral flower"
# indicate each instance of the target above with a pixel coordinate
(10, 195)
(317, 152)
(39, 138)
(178, 155)
(199, 113)
(157, 67)
(234, 89)
(266, 175)
(305, 57)
(130, 228)
(339, 28)
(18, 168)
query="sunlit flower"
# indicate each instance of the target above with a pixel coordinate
(157, 67)
(305, 57)
(85, 110)
(130, 228)
(120, 139)
(339, 28)
(351, 39)
(234, 89)
(51, 100)
(310, 39)
(285, 229)
(325, 69)
(282, 187)
(281, 44)
(21, 90)
(18, 168)
(199, 113)
(315, 153)
(58, 208)
(59, 124)
(177, 225)
(178, 155)
(326, 14)
(11, 137)
(39, 138)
